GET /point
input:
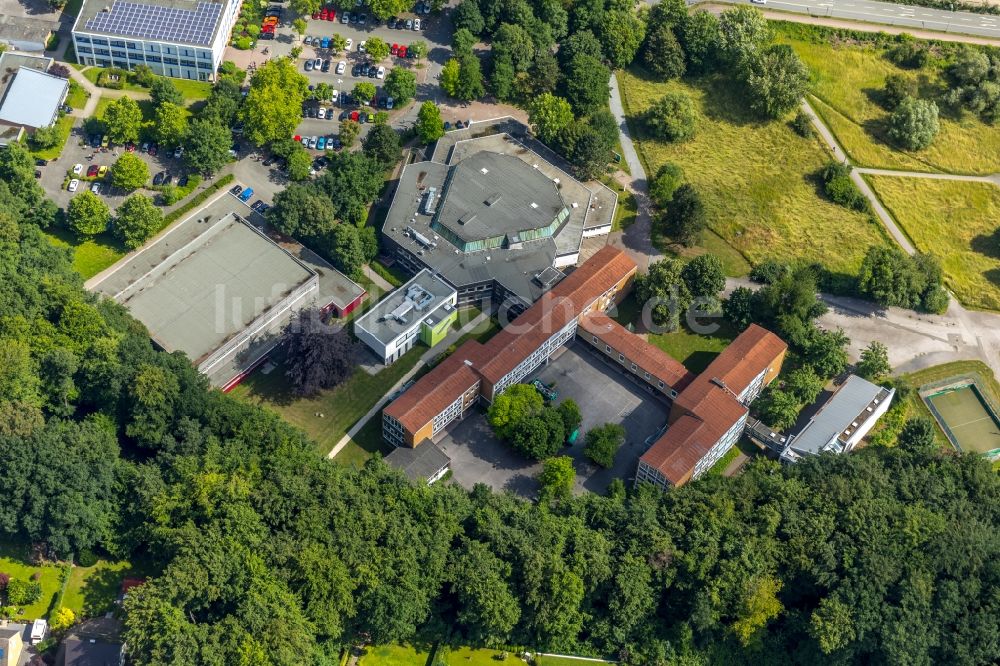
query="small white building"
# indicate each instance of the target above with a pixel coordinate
(32, 99)
(422, 309)
(842, 421)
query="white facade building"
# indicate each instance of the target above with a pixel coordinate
(182, 39)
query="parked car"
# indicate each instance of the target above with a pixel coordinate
(95, 187)
(77, 169)
(416, 24)
(305, 141)
(103, 171)
(162, 176)
(363, 19)
(361, 46)
(322, 113)
(372, 72)
(391, 22)
(348, 44)
(409, 24)
(92, 170)
(380, 73)
(105, 141)
(321, 143)
(317, 63)
(152, 149)
(309, 65)
(129, 147)
(326, 66)
(308, 41)
(313, 141)
(345, 17)
(334, 98)
(73, 185)
(269, 161)
(178, 151)
(324, 43)
(402, 52)
(356, 70)
(394, 49)
(331, 15)
(247, 193)
(389, 102)
(341, 66)
(267, 33)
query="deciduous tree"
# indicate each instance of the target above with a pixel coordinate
(429, 125)
(318, 356)
(603, 443)
(129, 172)
(136, 220)
(556, 478)
(87, 214)
(123, 120)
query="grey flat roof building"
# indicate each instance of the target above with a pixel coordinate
(844, 419)
(427, 462)
(33, 98)
(405, 307)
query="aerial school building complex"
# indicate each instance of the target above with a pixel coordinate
(708, 412)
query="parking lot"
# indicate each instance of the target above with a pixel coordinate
(54, 174)
(479, 457)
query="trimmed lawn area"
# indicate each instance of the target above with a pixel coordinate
(848, 76)
(341, 406)
(627, 211)
(957, 222)
(91, 256)
(984, 376)
(92, 590)
(15, 561)
(191, 90)
(77, 97)
(566, 661)
(694, 350)
(64, 126)
(758, 180)
(394, 655)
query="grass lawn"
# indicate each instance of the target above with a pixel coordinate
(984, 376)
(957, 222)
(191, 90)
(848, 77)
(394, 655)
(64, 126)
(758, 180)
(565, 661)
(16, 563)
(77, 97)
(91, 256)
(341, 406)
(92, 590)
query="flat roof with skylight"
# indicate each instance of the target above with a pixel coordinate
(398, 313)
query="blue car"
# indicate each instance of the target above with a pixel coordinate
(247, 193)
(324, 43)
(321, 143)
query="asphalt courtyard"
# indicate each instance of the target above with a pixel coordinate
(604, 395)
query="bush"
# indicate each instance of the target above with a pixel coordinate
(897, 88)
(243, 43)
(914, 123)
(23, 592)
(769, 271)
(86, 558)
(840, 188)
(672, 117)
(802, 124)
(909, 53)
(602, 444)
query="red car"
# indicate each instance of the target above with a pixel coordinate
(130, 147)
(394, 49)
(401, 52)
(296, 138)
(267, 28)
(323, 14)
(355, 115)
(332, 16)
(315, 15)
(92, 171)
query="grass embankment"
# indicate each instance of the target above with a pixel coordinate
(957, 222)
(848, 77)
(393, 655)
(914, 406)
(758, 180)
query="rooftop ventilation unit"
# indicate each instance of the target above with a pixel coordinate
(466, 218)
(430, 201)
(492, 199)
(419, 296)
(420, 238)
(534, 205)
(399, 314)
(484, 171)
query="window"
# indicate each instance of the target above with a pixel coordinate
(131, 45)
(621, 358)
(659, 384)
(646, 375)
(83, 49)
(633, 367)
(595, 339)
(187, 63)
(607, 348)
(117, 43)
(102, 42)
(82, 40)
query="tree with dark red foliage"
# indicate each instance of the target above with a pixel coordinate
(4, 579)
(57, 69)
(319, 355)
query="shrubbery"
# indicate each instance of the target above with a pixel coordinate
(840, 188)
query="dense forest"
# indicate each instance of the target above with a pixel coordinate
(270, 554)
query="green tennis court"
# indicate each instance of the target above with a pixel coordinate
(968, 418)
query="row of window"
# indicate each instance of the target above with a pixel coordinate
(621, 359)
(152, 48)
(119, 59)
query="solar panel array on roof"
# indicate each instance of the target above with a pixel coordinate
(168, 24)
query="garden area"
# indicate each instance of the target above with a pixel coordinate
(758, 180)
(849, 71)
(119, 79)
(956, 221)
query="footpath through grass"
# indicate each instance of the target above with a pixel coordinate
(848, 75)
(758, 180)
(957, 222)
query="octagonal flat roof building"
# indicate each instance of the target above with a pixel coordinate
(495, 220)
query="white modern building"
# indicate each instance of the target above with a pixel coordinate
(422, 309)
(183, 39)
(31, 100)
(842, 421)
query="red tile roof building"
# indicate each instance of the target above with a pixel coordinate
(708, 411)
